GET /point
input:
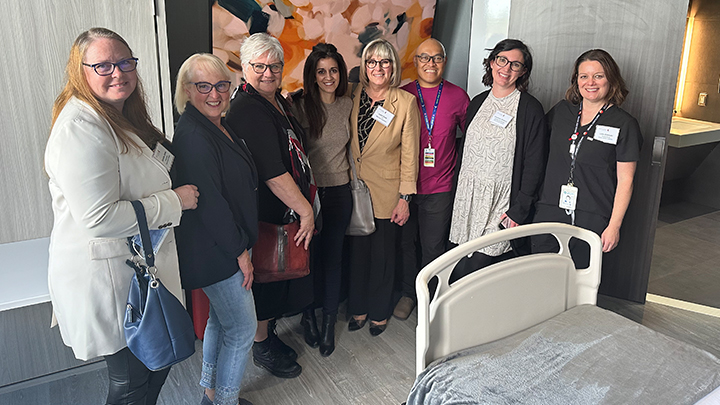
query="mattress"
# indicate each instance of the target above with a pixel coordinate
(586, 355)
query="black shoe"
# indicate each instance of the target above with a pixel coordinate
(243, 401)
(376, 328)
(355, 324)
(327, 339)
(279, 345)
(273, 361)
(310, 329)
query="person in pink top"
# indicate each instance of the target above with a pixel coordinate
(442, 110)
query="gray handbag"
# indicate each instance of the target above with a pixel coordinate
(362, 221)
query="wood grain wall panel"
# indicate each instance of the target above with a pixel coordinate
(36, 38)
(646, 41)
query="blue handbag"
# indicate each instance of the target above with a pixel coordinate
(158, 329)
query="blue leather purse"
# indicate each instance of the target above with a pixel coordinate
(158, 329)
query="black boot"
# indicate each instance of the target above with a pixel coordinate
(310, 330)
(279, 345)
(274, 361)
(327, 339)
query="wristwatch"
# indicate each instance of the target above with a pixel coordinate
(406, 197)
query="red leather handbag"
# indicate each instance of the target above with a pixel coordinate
(275, 256)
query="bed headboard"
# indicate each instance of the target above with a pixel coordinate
(504, 298)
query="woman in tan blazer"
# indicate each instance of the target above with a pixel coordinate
(385, 127)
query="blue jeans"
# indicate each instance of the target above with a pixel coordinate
(228, 339)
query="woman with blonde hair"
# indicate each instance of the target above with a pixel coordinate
(385, 142)
(100, 156)
(214, 241)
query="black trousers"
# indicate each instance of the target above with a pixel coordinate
(579, 250)
(131, 383)
(336, 203)
(372, 271)
(429, 223)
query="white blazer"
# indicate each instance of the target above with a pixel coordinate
(92, 184)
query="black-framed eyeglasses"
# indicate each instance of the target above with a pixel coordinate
(260, 68)
(384, 63)
(107, 68)
(424, 58)
(515, 66)
(223, 86)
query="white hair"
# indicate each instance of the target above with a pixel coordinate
(256, 45)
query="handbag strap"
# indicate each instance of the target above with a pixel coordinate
(350, 158)
(144, 233)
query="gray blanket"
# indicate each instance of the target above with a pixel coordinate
(586, 355)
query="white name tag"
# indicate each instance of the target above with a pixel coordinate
(429, 157)
(501, 119)
(383, 116)
(162, 155)
(568, 197)
(607, 134)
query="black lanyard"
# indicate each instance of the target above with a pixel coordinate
(429, 124)
(577, 139)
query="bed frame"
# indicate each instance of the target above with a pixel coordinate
(504, 298)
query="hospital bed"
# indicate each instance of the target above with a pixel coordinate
(527, 331)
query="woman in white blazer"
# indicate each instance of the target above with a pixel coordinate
(99, 158)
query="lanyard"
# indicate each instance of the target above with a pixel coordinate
(577, 139)
(429, 124)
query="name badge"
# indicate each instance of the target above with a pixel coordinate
(568, 197)
(383, 116)
(429, 157)
(607, 134)
(501, 119)
(162, 155)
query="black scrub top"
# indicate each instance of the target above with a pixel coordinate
(596, 165)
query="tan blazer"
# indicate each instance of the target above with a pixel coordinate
(389, 162)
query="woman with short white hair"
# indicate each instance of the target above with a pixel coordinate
(262, 117)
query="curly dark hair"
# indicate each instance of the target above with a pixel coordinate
(523, 82)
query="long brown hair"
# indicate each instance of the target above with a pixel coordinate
(618, 90)
(134, 117)
(314, 108)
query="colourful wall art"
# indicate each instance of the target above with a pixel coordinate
(300, 24)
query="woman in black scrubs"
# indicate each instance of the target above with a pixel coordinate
(594, 150)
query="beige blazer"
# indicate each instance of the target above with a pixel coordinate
(389, 162)
(92, 184)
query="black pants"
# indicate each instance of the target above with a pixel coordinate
(579, 250)
(429, 223)
(475, 262)
(336, 203)
(372, 271)
(131, 383)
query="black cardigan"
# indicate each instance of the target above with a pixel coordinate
(211, 237)
(531, 149)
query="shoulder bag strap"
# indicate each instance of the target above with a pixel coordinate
(148, 253)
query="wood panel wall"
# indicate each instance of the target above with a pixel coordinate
(646, 42)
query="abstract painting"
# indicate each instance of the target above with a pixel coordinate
(300, 24)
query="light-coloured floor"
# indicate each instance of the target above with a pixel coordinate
(363, 370)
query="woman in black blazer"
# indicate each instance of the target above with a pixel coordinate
(214, 242)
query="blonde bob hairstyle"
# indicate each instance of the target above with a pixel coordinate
(199, 61)
(134, 117)
(256, 45)
(383, 50)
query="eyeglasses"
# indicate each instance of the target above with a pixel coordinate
(424, 58)
(107, 68)
(515, 66)
(204, 87)
(260, 68)
(384, 63)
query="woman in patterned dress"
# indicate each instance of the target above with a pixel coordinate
(502, 159)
